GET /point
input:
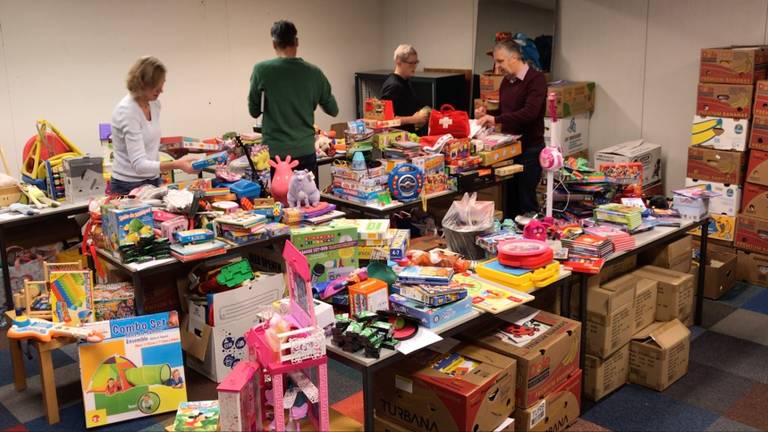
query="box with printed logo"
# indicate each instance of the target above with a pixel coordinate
(556, 411)
(734, 65)
(724, 100)
(751, 234)
(720, 166)
(729, 201)
(720, 133)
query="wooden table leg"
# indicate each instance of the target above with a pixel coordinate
(17, 361)
(49, 387)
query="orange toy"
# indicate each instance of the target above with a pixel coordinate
(438, 258)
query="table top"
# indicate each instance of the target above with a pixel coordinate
(15, 219)
(395, 205)
(646, 239)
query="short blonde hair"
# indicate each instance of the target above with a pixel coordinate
(403, 51)
(146, 73)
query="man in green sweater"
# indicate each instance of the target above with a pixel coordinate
(292, 91)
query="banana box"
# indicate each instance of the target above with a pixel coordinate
(720, 166)
(724, 100)
(734, 65)
(758, 133)
(556, 412)
(546, 347)
(761, 99)
(729, 201)
(721, 227)
(757, 171)
(720, 133)
(519, 279)
(755, 202)
(751, 234)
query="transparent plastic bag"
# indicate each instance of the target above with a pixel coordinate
(465, 220)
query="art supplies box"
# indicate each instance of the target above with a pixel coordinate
(610, 316)
(556, 411)
(729, 201)
(635, 151)
(674, 294)
(213, 350)
(720, 133)
(546, 347)
(724, 100)
(658, 355)
(430, 317)
(716, 165)
(466, 388)
(603, 376)
(570, 133)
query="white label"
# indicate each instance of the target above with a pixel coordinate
(403, 384)
(539, 413)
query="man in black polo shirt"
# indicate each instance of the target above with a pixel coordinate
(399, 90)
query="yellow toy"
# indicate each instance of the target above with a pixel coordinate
(37, 197)
(262, 160)
(52, 146)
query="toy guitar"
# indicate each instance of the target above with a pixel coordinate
(25, 328)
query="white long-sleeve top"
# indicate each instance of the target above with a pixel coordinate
(136, 141)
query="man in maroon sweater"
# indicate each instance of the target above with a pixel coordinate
(522, 104)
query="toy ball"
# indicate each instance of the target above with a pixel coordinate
(551, 159)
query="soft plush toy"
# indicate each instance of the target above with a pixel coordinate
(324, 146)
(262, 159)
(302, 191)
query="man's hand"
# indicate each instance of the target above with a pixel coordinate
(486, 120)
(185, 165)
(480, 112)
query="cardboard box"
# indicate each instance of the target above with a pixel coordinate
(572, 97)
(570, 133)
(610, 316)
(601, 377)
(556, 412)
(728, 203)
(658, 355)
(546, 347)
(215, 350)
(752, 268)
(332, 252)
(733, 65)
(720, 274)
(751, 234)
(421, 395)
(430, 317)
(757, 171)
(755, 201)
(715, 165)
(491, 157)
(490, 85)
(612, 269)
(720, 227)
(634, 151)
(690, 209)
(724, 100)
(761, 99)
(653, 189)
(758, 135)
(646, 293)
(674, 294)
(125, 225)
(675, 256)
(720, 133)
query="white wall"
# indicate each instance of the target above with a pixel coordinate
(66, 61)
(504, 15)
(643, 55)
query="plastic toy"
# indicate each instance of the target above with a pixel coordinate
(524, 253)
(50, 146)
(24, 327)
(282, 178)
(358, 161)
(329, 289)
(235, 274)
(246, 189)
(240, 399)
(219, 158)
(405, 182)
(302, 191)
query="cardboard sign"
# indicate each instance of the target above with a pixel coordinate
(757, 171)
(734, 65)
(720, 133)
(751, 234)
(715, 165)
(601, 377)
(658, 355)
(724, 100)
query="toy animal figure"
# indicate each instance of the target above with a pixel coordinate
(37, 197)
(21, 209)
(302, 191)
(282, 178)
(535, 230)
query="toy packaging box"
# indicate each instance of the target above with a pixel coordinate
(201, 416)
(398, 244)
(136, 371)
(430, 317)
(71, 296)
(750, 234)
(457, 149)
(546, 347)
(123, 226)
(240, 398)
(720, 133)
(729, 201)
(572, 97)
(724, 100)
(332, 252)
(83, 178)
(758, 135)
(377, 109)
(383, 139)
(556, 411)
(757, 171)
(367, 229)
(720, 227)
(571, 133)
(433, 166)
(114, 300)
(648, 154)
(466, 389)
(716, 165)
(491, 157)
(733, 65)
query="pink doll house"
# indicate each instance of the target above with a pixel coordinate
(240, 399)
(291, 352)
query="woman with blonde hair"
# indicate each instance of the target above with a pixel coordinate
(136, 130)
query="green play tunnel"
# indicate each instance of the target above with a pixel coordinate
(148, 375)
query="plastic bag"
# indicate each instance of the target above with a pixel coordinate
(468, 214)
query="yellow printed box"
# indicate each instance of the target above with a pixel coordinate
(721, 227)
(494, 156)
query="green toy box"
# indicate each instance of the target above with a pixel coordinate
(126, 225)
(331, 251)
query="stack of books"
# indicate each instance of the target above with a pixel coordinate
(196, 251)
(632, 217)
(622, 240)
(241, 227)
(588, 245)
(429, 295)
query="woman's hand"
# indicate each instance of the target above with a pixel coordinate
(185, 165)
(480, 111)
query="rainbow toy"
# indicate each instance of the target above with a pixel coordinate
(71, 297)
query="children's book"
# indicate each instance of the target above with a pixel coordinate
(196, 416)
(490, 297)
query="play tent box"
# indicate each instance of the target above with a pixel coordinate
(750, 234)
(467, 388)
(557, 411)
(610, 316)
(674, 297)
(136, 371)
(331, 251)
(603, 376)
(715, 165)
(571, 133)
(215, 350)
(572, 97)
(757, 171)
(634, 151)
(729, 201)
(733, 65)
(724, 100)
(720, 133)
(658, 355)
(546, 347)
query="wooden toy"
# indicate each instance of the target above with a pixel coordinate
(36, 299)
(71, 296)
(368, 295)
